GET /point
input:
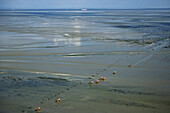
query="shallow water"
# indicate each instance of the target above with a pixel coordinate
(36, 36)
(46, 54)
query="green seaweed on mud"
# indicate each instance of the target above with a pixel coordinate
(167, 46)
(52, 78)
(126, 91)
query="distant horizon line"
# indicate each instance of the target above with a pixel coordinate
(84, 8)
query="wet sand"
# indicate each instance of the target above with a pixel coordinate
(51, 54)
(144, 87)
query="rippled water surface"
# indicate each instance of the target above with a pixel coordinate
(37, 39)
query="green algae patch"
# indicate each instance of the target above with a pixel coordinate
(52, 78)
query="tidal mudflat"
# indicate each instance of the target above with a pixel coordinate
(51, 54)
